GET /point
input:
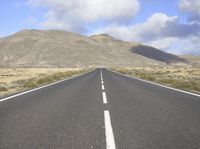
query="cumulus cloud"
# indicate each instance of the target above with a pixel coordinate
(192, 7)
(178, 46)
(161, 31)
(74, 15)
(189, 46)
(159, 25)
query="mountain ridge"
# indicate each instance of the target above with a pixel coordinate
(57, 48)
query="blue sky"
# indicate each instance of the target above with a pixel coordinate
(17, 15)
(167, 25)
(149, 7)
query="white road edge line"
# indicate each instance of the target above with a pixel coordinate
(110, 141)
(101, 82)
(26, 92)
(171, 88)
(104, 98)
(103, 88)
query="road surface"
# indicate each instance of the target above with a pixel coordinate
(101, 110)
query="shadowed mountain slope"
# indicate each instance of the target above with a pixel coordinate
(156, 54)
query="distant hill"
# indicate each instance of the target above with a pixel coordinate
(54, 48)
(193, 60)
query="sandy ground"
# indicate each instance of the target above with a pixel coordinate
(10, 78)
(185, 78)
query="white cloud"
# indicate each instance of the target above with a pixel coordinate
(178, 45)
(192, 7)
(157, 26)
(189, 45)
(161, 31)
(74, 15)
(163, 43)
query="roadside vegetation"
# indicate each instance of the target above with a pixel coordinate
(184, 78)
(18, 80)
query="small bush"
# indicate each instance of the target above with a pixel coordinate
(146, 76)
(3, 89)
(29, 84)
(124, 71)
(168, 81)
(45, 80)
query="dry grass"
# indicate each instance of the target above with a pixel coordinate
(185, 78)
(17, 80)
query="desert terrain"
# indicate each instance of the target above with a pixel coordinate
(14, 80)
(184, 78)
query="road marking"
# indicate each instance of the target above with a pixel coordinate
(104, 98)
(101, 75)
(110, 141)
(26, 92)
(103, 88)
(167, 87)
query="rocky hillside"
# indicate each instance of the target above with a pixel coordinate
(53, 48)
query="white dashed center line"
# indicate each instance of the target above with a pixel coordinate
(102, 86)
(101, 75)
(104, 98)
(110, 141)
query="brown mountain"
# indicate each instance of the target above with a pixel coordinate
(53, 48)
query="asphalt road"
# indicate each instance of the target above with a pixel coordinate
(97, 111)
